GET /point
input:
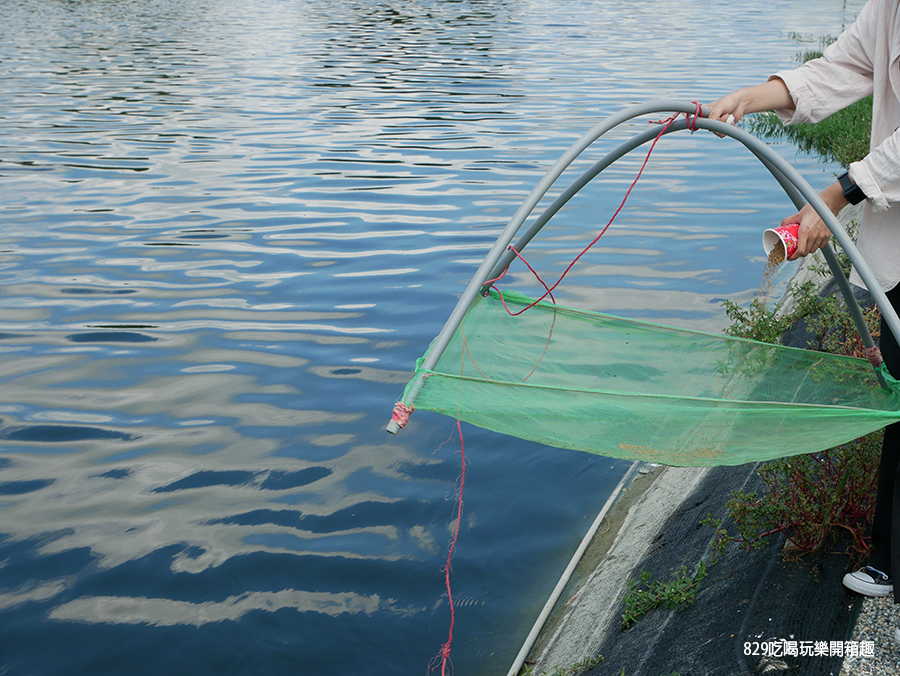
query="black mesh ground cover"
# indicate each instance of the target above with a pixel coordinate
(748, 599)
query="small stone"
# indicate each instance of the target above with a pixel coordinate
(771, 665)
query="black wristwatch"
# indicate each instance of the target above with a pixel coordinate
(852, 192)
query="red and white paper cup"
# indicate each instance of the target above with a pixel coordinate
(786, 234)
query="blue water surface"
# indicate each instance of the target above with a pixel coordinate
(228, 229)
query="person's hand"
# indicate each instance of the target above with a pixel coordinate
(812, 234)
(730, 108)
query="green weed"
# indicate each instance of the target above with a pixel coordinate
(811, 498)
(572, 670)
(646, 594)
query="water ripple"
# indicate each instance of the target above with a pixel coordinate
(228, 230)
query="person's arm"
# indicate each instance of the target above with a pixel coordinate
(771, 95)
(822, 86)
(812, 234)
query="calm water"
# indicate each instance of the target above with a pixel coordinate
(228, 229)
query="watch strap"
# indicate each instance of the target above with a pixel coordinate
(852, 192)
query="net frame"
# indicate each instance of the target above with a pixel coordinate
(501, 254)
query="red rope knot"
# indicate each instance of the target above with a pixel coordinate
(401, 414)
(692, 119)
(873, 354)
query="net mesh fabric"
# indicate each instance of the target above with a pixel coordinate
(640, 391)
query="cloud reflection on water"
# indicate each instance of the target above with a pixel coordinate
(167, 612)
(158, 502)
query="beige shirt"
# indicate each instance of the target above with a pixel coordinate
(864, 60)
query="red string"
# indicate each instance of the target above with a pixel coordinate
(692, 119)
(667, 122)
(444, 654)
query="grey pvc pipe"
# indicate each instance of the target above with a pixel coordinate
(638, 140)
(453, 321)
(812, 197)
(508, 256)
(796, 186)
(550, 604)
(843, 283)
(833, 264)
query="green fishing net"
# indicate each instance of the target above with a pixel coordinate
(640, 391)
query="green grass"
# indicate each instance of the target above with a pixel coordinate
(841, 138)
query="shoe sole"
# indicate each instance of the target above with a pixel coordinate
(860, 587)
